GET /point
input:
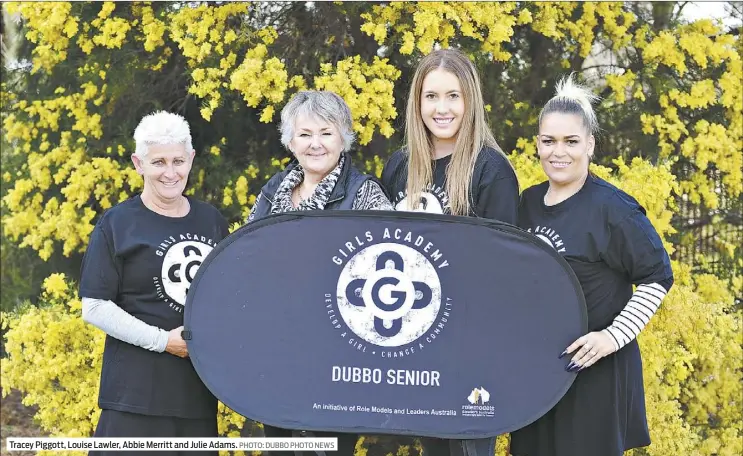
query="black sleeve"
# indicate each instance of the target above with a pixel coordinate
(636, 250)
(499, 199)
(223, 226)
(390, 174)
(100, 273)
(520, 211)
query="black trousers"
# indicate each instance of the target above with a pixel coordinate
(436, 447)
(454, 447)
(346, 442)
(113, 423)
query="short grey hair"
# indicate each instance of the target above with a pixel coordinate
(161, 127)
(320, 104)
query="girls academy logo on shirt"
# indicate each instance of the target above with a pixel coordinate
(549, 236)
(433, 200)
(181, 257)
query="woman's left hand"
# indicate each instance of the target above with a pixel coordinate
(176, 345)
(591, 348)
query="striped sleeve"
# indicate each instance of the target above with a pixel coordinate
(636, 314)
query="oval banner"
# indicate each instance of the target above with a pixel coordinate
(385, 322)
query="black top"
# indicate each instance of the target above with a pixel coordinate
(606, 238)
(494, 191)
(608, 241)
(144, 262)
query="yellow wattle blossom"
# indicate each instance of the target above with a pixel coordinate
(55, 286)
(50, 27)
(621, 84)
(267, 114)
(153, 29)
(375, 166)
(368, 91)
(435, 22)
(553, 20)
(260, 78)
(241, 190)
(720, 146)
(663, 49)
(112, 33)
(200, 33)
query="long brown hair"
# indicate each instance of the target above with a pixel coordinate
(473, 134)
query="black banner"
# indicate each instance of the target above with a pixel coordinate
(385, 322)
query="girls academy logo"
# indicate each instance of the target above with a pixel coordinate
(433, 200)
(549, 236)
(389, 294)
(181, 257)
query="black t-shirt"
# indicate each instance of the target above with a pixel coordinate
(144, 262)
(606, 238)
(494, 191)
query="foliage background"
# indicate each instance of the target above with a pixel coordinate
(77, 77)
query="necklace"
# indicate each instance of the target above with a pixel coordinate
(546, 196)
(559, 197)
(301, 198)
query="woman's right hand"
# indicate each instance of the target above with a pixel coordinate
(176, 345)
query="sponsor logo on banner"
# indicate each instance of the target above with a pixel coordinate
(478, 404)
(388, 300)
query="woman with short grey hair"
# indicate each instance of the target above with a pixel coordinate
(141, 258)
(317, 128)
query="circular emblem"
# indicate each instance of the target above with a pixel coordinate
(389, 294)
(428, 203)
(180, 264)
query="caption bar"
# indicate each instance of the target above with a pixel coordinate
(169, 444)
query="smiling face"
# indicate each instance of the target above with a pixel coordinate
(317, 145)
(565, 148)
(442, 104)
(165, 170)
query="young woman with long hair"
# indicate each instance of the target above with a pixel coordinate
(451, 162)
